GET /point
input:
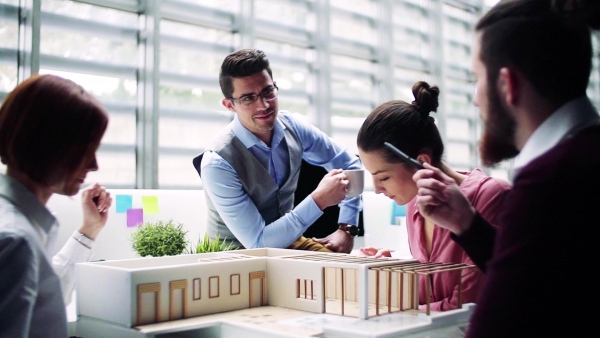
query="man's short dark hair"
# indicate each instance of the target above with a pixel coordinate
(547, 41)
(242, 63)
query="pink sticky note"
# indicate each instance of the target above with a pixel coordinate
(135, 217)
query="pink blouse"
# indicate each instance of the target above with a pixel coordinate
(485, 194)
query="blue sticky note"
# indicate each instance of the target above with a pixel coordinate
(397, 211)
(124, 202)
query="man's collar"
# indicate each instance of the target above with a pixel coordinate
(250, 140)
(564, 122)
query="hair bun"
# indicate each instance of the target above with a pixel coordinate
(426, 97)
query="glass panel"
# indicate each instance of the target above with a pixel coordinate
(458, 55)
(350, 109)
(293, 104)
(460, 86)
(89, 47)
(190, 133)
(348, 87)
(289, 64)
(177, 172)
(365, 7)
(189, 62)
(490, 3)
(296, 14)
(9, 39)
(292, 75)
(412, 26)
(346, 139)
(88, 54)
(119, 129)
(9, 32)
(412, 43)
(458, 153)
(348, 62)
(8, 78)
(354, 27)
(458, 104)
(413, 16)
(115, 168)
(70, 42)
(405, 79)
(195, 33)
(227, 5)
(195, 98)
(92, 13)
(458, 129)
(107, 89)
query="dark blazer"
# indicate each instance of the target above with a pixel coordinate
(540, 278)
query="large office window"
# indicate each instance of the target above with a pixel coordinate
(194, 37)
(97, 48)
(155, 64)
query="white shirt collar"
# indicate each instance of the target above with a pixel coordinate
(564, 122)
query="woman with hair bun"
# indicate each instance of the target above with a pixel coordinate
(410, 128)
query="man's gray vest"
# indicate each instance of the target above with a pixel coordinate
(271, 201)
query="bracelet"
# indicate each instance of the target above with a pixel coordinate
(83, 239)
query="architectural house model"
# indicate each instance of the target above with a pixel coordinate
(142, 291)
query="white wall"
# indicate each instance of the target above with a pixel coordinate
(182, 206)
(189, 207)
(379, 230)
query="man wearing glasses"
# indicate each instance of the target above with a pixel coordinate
(250, 170)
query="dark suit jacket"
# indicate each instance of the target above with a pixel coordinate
(540, 276)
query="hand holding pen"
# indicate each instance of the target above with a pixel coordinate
(403, 156)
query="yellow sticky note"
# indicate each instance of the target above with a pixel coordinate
(150, 204)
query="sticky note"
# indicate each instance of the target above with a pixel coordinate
(124, 202)
(135, 217)
(150, 204)
(398, 212)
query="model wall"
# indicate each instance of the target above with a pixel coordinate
(282, 284)
(116, 289)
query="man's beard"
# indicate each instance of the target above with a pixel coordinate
(497, 142)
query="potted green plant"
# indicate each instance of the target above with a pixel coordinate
(207, 245)
(159, 238)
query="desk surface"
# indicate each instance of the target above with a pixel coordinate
(271, 321)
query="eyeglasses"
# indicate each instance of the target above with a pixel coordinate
(249, 101)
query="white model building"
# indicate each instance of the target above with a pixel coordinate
(141, 291)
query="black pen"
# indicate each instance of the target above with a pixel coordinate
(403, 156)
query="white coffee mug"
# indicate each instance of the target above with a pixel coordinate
(357, 182)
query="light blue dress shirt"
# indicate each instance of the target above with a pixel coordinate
(237, 209)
